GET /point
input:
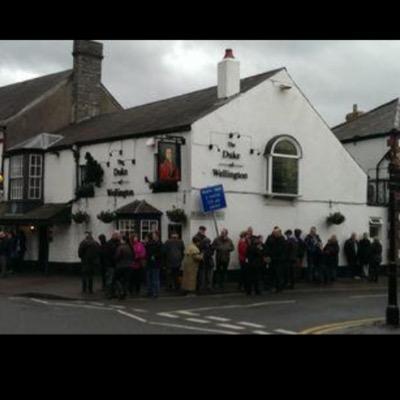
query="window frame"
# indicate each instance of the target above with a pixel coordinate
(271, 154)
(38, 177)
(16, 179)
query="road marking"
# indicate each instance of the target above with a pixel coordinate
(79, 306)
(38, 301)
(117, 307)
(139, 310)
(168, 315)
(16, 298)
(219, 319)
(286, 332)
(186, 312)
(195, 328)
(200, 321)
(251, 324)
(265, 303)
(131, 316)
(262, 333)
(96, 304)
(365, 296)
(316, 330)
(231, 326)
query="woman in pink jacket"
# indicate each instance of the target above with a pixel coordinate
(137, 268)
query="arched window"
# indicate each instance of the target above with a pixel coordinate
(283, 157)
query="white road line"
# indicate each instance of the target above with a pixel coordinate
(265, 303)
(79, 306)
(194, 328)
(168, 315)
(38, 301)
(94, 303)
(365, 296)
(200, 321)
(218, 319)
(286, 332)
(118, 307)
(262, 333)
(230, 326)
(186, 312)
(251, 324)
(139, 310)
(131, 316)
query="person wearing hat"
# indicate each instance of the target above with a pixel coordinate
(89, 253)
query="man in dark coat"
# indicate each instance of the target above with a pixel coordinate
(223, 246)
(89, 253)
(173, 251)
(375, 260)
(292, 251)
(314, 253)
(364, 255)
(255, 257)
(351, 253)
(276, 249)
(301, 252)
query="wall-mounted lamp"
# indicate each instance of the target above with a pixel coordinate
(210, 147)
(110, 154)
(282, 86)
(230, 135)
(108, 164)
(150, 142)
(251, 151)
(120, 152)
(133, 162)
(32, 228)
(238, 136)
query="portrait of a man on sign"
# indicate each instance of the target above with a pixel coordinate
(169, 162)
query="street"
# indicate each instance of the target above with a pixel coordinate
(288, 313)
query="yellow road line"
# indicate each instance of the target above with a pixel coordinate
(317, 330)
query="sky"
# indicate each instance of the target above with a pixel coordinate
(333, 74)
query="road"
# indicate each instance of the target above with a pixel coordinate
(287, 313)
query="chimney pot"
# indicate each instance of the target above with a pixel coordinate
(228, 76)
(229, 53)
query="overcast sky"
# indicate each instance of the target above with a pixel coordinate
(332, 74)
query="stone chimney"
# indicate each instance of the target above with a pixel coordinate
(88, 56)
(228, 76)
(354, 115)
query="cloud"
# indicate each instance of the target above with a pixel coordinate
(332, 74)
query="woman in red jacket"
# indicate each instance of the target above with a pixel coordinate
(242, 251)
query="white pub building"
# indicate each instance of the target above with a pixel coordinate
(260, 137)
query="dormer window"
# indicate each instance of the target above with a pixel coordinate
(283, 157)
(26, 177)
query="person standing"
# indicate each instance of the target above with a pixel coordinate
(375, 260)
(276, 249)
(313, 243)
(21, 248)
(301, 252)
(109, 260)
(242, 248)
(191, 263)
(173, 250)
(153, 264)
(206, 266)
(138, 265)
(223, 246)
(364, 255)
(291, 258)
(89, 253)
(331, 258)
(3, 254)
(103, 260)
(351, 253)
(124, 258)
(254, 265)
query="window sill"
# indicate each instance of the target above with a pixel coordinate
(282, 196)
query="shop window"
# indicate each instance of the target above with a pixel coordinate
(127, 226)
(147, 226)
(283, 161)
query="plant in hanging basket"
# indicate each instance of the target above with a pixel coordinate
(177, 215)
(107, 216)
(336, 218)
(85, 191)
(94, 172)
(80, 217)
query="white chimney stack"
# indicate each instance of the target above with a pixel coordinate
(228, 76)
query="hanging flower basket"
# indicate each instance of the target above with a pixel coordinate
(80, 217)
(177, 215)
(336, 218)
(107, 216)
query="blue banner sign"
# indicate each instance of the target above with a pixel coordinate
(213, 198)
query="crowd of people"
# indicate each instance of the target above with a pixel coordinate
(277, 263)
(12, 251)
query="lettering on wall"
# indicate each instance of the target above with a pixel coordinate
(224, 173)
(120, 193)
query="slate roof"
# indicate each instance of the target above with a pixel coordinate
(138, 207)
(45, 213)
(15, 97)
(380, 120)
(173, 114)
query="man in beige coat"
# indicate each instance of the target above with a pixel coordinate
(191, 263)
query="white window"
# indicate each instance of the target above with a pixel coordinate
(283, 157)
(147, 226)
(16, 177)
(35, 176)
(126, 226)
